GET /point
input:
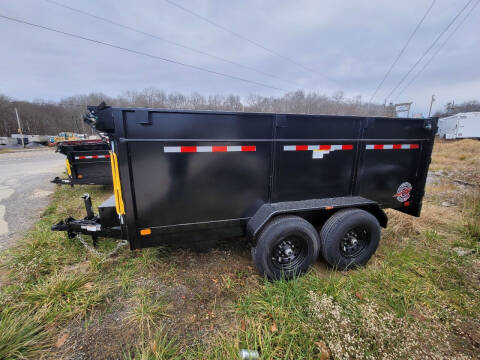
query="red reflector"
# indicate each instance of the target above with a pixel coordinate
(406, 203)
(188, 149)
(249, 148)
(397, 146)
(219, 149)
(94, 156)
(378, 147)
(414, 146)
(107, 156)
(81, 157)
(325, 147)
(301, 147)
(347, 147)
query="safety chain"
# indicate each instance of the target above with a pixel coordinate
(94, 251)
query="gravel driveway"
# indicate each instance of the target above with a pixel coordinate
(24, 189)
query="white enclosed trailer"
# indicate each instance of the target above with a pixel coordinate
(459, 126)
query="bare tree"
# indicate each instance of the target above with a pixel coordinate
(41, 117)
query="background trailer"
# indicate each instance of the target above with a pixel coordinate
(295, 185)
(87, 162)
(460, 126)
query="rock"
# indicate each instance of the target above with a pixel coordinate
(446, 204)
(463, 252)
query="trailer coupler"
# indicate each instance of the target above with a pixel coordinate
(85, 226)
(60, 181)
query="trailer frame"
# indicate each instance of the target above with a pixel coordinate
(384, 165)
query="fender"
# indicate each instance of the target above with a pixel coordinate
(267, 211)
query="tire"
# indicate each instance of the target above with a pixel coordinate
(349, 238)
(286, 247)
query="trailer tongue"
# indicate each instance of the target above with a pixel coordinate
(294, 185)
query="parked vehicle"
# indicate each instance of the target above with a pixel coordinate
(62, 137)
(182, 176)
(87, 162)
(460, 126)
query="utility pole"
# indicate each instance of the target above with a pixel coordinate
(19, 127)
(450, 107)
(431, 103)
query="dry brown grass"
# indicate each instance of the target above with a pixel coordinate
(459, 158)
(436, 217)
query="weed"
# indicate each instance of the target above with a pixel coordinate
(162, 346)
(147, 310)
(21, 334)
(64, 296)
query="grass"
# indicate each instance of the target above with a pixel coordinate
(417, 298)
(21, 334)
(162, 346)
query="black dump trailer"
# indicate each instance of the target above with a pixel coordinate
(295, 185)
(87, 162)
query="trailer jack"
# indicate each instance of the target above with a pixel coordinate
(90, 225)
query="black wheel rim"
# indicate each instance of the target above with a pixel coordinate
(289, 253)
(354, 242)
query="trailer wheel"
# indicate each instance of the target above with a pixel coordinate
(349, 238)
(286, 247)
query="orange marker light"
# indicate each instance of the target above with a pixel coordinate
(80, 176)
(328, 207)
(144, 232)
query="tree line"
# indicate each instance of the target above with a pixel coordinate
(50, 118)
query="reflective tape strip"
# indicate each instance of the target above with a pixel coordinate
(317, 147)
(117, 187)
(69, 169)
(215, 148)
(82, 157)
(392, 146)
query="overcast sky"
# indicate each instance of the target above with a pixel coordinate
(346, 45)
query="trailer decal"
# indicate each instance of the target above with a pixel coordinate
(82, 157)
(392, 146)
(198, 149)
(403, 192)
(318, 151)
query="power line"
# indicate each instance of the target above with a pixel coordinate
(438, 50)
(141, 53)
(166, 40)
(240, 36)
(428, 50)
(401, 51)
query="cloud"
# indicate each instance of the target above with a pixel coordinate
(349, 46)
